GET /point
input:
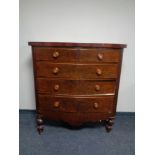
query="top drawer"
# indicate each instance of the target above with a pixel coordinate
(92, 55)
(56, 54)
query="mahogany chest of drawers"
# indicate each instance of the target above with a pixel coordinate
(76, 82)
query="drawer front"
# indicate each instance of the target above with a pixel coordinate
(95, 55)
(76, 71)
(101, 104)
(56, 54)
(92, 55)
(57, 104)
(72, 87)
(82, 104)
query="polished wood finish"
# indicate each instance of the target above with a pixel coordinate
(60, 55)
(108, 123)
(40, 127)
(76, 71)
(76, 104)
(56, 55)
(75, 87)
(76, 82)
(65, 44)
(99, 55)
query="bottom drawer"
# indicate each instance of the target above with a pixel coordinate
(96, 104)
(76, 104)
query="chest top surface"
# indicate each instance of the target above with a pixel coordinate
(71, 44)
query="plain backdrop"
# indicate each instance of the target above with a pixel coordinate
(96, 21)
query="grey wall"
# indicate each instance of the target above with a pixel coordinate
(108, 21)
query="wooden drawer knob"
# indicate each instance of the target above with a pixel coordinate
(97, 87)
(55, 70)
(56, 104)
(55, 54)
(56, 87)
(96, 105)
(98, 71)
(100, 56)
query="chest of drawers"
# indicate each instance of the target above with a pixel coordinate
(76, 82)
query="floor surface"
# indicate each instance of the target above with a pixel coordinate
(90, 139)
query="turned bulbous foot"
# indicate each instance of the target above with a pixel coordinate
(40, 126)
(109, 123)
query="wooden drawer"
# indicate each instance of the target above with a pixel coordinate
(57, 104)
(76, 104)
(96, 104)
(72, 87)
(96, 55)
(76, 71)
(56, 54)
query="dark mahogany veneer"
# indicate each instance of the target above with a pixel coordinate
(76, 82)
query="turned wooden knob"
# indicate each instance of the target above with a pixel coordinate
(98, 71)
(55, 70)
(97, 87)
(56, 104)
(56, 87)
(100, 56)
(96, 105)
(55, 54)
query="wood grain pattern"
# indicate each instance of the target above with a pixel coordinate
(99, 55)
(77, 55)
(76, 71)
(76, 104)
(76, 82)
(49, 53)
(76, 87)
(69, 44)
